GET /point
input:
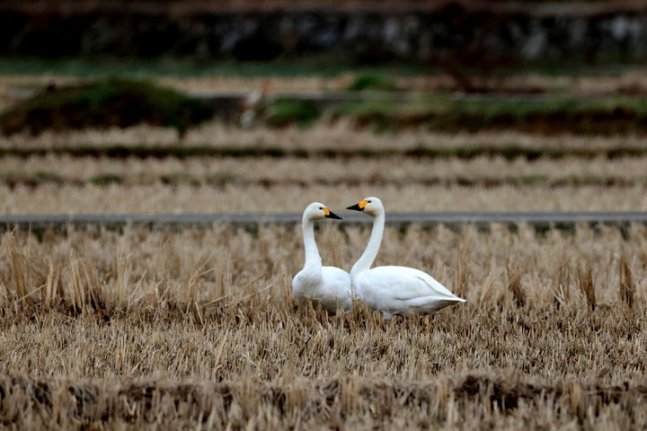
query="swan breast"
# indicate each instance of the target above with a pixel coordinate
(331, 287)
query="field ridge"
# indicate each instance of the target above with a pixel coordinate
(186, 151)
(332, 401)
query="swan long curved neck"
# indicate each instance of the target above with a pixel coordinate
(373, 246)
(312, 259)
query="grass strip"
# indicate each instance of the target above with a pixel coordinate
(111, 102)
(545, 115)
(120, 102)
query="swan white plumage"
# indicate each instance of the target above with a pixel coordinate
(327, 285)
(394, 289)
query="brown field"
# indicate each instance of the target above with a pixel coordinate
(339, 136)
(398, 170)
(160, 198)
(197, 329)
(69, 184)
(66, 185)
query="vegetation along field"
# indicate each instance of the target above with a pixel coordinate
(160, 328)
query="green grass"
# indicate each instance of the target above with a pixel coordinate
(325, 65)
(105, 103)
(282, 112)
(610, 115)
(105, 179)
(517, 107)
(120, 102)
(372, 81)
(311, 66)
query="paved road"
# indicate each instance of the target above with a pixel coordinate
(537, 219)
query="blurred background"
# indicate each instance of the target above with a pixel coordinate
(165, 106)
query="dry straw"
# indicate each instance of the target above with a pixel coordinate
(198, 328)
(232, 198)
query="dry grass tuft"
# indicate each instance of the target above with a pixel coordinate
(514, 285)
(586, 285)
(627, 288)
(561, 290)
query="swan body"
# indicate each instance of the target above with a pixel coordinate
(402, 290)
(328, 286)
(394, 289)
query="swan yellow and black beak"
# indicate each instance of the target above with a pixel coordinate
(359, 206)
(330, 214)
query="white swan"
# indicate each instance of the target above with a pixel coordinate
(326, 285)
(394, 289)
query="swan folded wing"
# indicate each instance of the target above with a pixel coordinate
(410, 283)
(430, 304)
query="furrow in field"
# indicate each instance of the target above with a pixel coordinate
(398, 171)
(159, 198)
(340, 136)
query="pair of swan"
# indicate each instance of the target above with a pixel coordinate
(390, 289)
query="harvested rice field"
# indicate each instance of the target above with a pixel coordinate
(160, 328)
(341, 137)
(160, 198)
(154, 328)
(48, 174)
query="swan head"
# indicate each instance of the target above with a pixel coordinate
(318, 211)
(371, 206)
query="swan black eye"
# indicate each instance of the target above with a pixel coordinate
(321, 208)
(368, 202)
